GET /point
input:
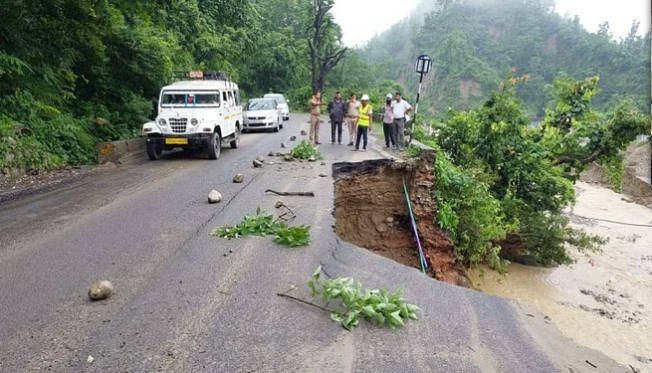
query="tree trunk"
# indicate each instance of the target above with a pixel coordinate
(324, 54)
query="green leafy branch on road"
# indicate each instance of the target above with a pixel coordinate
(305, 150)
(263, 224)
(293, 236)
(374, 305)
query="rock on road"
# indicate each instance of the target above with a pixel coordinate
(188, 302)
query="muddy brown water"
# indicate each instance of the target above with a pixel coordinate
(604, 301)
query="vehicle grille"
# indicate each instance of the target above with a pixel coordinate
(256, 118)
(178, 125)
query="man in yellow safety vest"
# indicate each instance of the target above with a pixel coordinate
(365, 120)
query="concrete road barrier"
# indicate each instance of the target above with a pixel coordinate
(115, 150)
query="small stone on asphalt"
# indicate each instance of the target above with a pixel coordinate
(258, 163)
(283, 145)
(304, 133)
(238, 178)
(214, 197)
(100, 290)
(293, 138)
(322, 175)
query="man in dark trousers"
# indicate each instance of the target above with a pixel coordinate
(337, 111)
(388, 122)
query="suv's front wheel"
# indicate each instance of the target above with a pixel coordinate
(214, 146)
(153, 152)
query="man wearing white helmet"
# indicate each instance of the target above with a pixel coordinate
(388, 122)
(365, 120)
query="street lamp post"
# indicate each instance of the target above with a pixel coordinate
(423, 66)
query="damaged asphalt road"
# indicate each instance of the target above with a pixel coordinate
(188, 302)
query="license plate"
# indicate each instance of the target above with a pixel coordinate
(179, 141)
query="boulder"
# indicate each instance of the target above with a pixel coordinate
(239, 178)
(258, 163)
(214, 197)
(100, 290)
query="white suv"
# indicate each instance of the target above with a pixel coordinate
(282, 103)
(202, 111)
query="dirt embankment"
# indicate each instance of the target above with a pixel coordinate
(371, 212)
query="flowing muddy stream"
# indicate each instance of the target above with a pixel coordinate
(604, 301)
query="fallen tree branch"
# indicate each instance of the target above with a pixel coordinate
(573, 159)
(283, 295)
(300, 194)
(280, 204)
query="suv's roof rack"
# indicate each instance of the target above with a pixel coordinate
(203, 75)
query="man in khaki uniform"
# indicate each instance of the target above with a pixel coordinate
(315, 112)
(352, 114)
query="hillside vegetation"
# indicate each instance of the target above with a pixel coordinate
(474, 43)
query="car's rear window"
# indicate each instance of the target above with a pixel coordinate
(259, 105)
(279, 98)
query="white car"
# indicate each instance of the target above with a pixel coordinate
(282, 102)
(202, 111)
(262, 113)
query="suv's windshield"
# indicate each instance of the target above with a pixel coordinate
(190, 99)
(259, 105)
(279, 98)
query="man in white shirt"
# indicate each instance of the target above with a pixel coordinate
(400, 108)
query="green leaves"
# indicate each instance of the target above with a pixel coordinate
(305, 150)
(263, 224)
(374, 305)
(260, 224)
(293, 236)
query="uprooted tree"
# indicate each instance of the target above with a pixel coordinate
(503, 185)
(325, 45)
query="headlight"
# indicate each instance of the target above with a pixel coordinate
(162, 122)
(194, 122)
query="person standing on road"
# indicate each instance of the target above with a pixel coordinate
(315, 112)
(337, 111)
(400, 108)
(365, 120)
(352, 113)
(388, 122)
